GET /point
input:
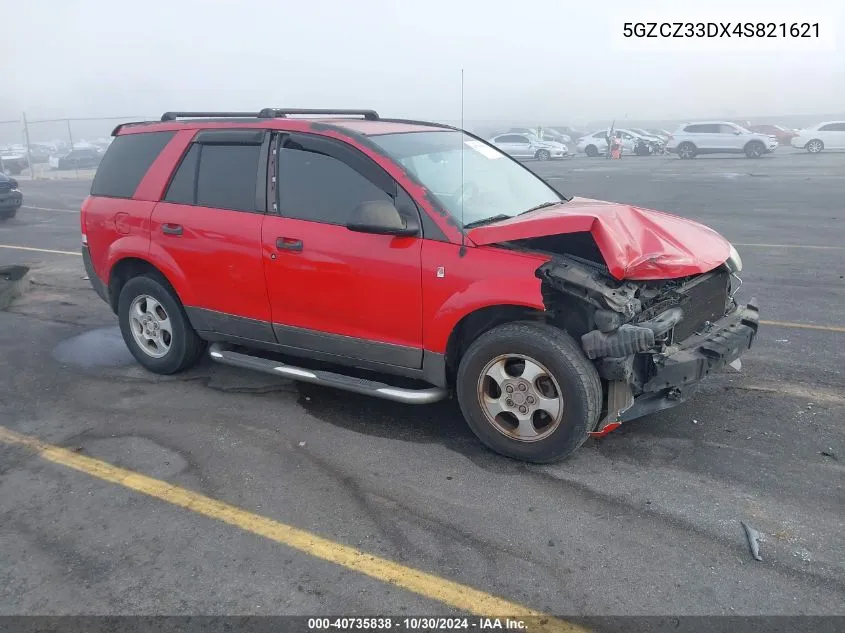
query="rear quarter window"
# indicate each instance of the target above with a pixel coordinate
(126, 162)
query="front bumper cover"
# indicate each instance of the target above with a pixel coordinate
(674, 376)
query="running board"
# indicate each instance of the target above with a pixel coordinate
(221, 354)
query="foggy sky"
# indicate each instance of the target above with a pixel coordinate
(533, 59)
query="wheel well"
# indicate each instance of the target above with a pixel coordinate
(126, 269)
(474, 324)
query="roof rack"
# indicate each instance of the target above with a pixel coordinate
(268, 113)
(172, 116)
(272, 113)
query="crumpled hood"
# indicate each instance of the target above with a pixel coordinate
(636, 244)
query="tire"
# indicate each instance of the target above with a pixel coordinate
(173, 354)
(754, 149)
(591, 150)
(543, 154)
(8, 214)
(814, 146)
(563, 367)
(14, 169)
(687, 150)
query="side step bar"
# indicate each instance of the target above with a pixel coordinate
(222, 354)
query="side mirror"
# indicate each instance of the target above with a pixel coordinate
(381, 218)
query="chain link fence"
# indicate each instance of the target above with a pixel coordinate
(70, 147)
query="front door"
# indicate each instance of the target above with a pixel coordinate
(332, 290)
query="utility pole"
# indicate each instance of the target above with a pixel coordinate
(28, 151)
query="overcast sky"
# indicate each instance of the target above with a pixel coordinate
(551, 60)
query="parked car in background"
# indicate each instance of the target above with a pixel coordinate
(40, 154)
(529, 146)
(11, 198)
(660, 133)
(648, 135)
(719, 137)
(13, 160)
(595, 144)
(79, 158)
(826, 135)
(783, 134)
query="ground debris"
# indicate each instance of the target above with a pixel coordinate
(754, 539)
(829, 453)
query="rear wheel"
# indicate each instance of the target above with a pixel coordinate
(591, 150)
(815, 146)
(155, 327)
(755, 149)
(528, 392)
(687, 150)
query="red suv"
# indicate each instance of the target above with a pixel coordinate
(408, 261)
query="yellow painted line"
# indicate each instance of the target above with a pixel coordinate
(805, 326)
(825, 248)
(39, 250)
(461, 597)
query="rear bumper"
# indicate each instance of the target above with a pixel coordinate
(675, 376)
(97, 284)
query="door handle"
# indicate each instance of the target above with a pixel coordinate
(171, 229)
(288, 244)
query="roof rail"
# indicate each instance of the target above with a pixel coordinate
(172, 116)
(272, 113)
(415, 122)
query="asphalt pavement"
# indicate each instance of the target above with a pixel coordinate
(643, 522)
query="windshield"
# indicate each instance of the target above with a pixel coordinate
(473, 181)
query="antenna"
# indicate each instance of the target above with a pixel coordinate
(463, 248)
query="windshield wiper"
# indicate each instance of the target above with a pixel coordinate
(541, 206)
(490, 220)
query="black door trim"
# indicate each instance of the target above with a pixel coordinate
(348, 346)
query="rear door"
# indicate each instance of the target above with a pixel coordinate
(833, 135)
(208, 227)
(332, 290)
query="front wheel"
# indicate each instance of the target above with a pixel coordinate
(8, 214)
(591, 150)
(543, 154)
(755, 149)
(528, 392)
(155, 327)
(687, 150)
(815, 146)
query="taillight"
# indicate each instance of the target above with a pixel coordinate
(83, 213)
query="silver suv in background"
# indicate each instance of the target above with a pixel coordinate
(719, 137)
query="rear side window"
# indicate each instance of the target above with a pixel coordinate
(126, 162)
(217, 176)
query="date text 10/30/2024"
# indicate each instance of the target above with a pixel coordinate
(416, 624)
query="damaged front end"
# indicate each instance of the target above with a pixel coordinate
(652, 342)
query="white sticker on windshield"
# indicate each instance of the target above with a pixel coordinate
(484, 150)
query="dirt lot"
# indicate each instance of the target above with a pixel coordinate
(645, 521)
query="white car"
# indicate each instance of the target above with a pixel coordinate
(719, 137)
(827, 135)
(595, 144)
(529, 146)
